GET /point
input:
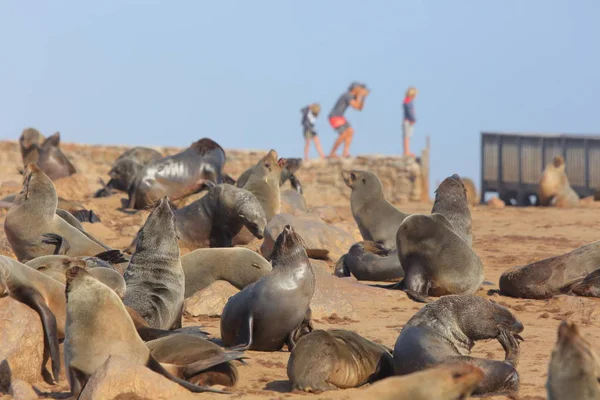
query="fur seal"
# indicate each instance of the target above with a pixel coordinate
(472, 196)
(178, 175)
(288, 167)
(445, 331)
(263, 182)
(154, 276)
(376, 218)
(337, 358)
(29, 142)
(576, 272)
(98, 326)
(74, 208)
(126, 167)
(443, 382)
(237, 265)
(554, 188)
(574, 369)
(370, 261)
(34, 228)
(52, 160)
(451, 202)
(275, 309)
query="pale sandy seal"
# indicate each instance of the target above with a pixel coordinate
(576, 272)
(370, 261)
(76, 209)
(451, 202)
(445, 332)
(337, 358)
(472, 195)
(236, 265)
(98, 326)
(574, 369)
(377, 219)
(52, 160)
(270, 312)
(263, 182)
(288, 168)
(155, 279)
(554, 187)
(29, 142)
(435, 259)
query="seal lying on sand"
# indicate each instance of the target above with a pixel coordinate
(52, 160)
(126, 167)
(576, 273)
(554, 188)
(178, 175)
(289, 167)
(29, 142)
(370, 261)
(236, 265)
(376, 218)
(272, 311)
(337, 358)
(445, 331)
(99, 326)
(574, 370)
(451, 202)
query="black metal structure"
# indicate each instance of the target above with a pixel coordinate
(512, 163)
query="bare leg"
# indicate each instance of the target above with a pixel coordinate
(347, 141)
(341, 138)
(318, 146)
(306, 148)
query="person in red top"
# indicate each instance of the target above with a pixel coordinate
(354, 97)
(409, 119)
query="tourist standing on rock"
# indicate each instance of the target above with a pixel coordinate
(309, 116)
(355, 97)
(409, 119)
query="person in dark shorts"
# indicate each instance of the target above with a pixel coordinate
(354, 97)
(409, 119)
(309, 116)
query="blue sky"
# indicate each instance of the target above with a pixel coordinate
(170, 72)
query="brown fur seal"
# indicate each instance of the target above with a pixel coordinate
(576, 272)
(376, 218)
(76, 209)
(443, 382)
(236, 265)
(289, 167)
(574, 370)
(178, 175)
(445, 331)
(263, 182)
(98, 326)
(33, 227)
(554, 188)
(337, 358)
(154, 276)
(271, 311)
(451, 202)
(30, 141)
(435, 259)
(472, 196)
(370, 261)
(52, 160)
(126, 167)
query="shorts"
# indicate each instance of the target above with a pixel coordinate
(407, 129)
(339, 123)
(309, 133)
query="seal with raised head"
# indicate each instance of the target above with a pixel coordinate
(178, 175)
(33, 227)
(126, 167)
(155, 279)
(76, 209)
(370, 261)
(98, 326)
(237, 265)
(288, 167)
(576, 272)
(30, 141)
(377, 219)
(274, 310)
(337, 358)
(472, 196)
(574, 369)
(435, 259)
(445, 331)
(451, 202)
(554, 187)
(263, 182)
(52, 160)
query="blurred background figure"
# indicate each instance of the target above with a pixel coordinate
(355, 97)
(309, 116)
(409, 119)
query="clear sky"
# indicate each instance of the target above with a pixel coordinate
(170, 72)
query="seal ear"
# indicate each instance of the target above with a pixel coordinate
(42, 268)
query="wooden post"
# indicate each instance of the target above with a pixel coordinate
(425, 172)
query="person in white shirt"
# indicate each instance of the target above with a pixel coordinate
(309, 116)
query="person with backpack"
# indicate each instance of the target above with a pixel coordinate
(354, 97)
(409, 119)
(309, 116)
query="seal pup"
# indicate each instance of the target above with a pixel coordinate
(52, 160)
(155, 279)
(178, 175)
(98, 326)
(575, 272)
(288, 167)
(337, 358)
(451, 202)
(270, 312)
(237, 265)
(443, 382)
(29, 142)
(370, 261)
(125, 169)
(376, 218)
(574, 369)
(33, 215)
(446, 330)
(554, 187)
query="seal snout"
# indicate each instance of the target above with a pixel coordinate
(517, 326)
(349, 177)
(73, 273)
(4, 291)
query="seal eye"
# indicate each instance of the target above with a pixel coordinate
(364, 180)
(267, 165)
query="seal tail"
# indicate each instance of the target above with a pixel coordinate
(86, 216)
(158, 368)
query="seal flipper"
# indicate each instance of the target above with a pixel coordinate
(295, 183)
(112, 257)
(86, 216)
(77, 381)
(243, 338)
(158, 368)
(199, 366)
(587, 287)
(61, 244)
